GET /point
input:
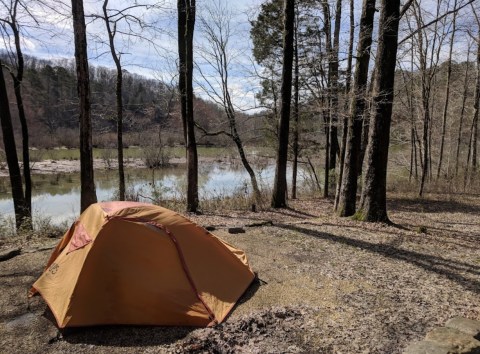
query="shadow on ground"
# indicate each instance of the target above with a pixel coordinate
(138, 336)
(451, 269)
(432, 206)
(125, 336)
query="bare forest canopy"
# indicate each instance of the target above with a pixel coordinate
(151, 107)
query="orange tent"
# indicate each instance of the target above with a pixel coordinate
(135, 263)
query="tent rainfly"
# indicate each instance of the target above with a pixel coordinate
(141, 264)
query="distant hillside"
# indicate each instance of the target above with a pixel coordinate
(151, 107)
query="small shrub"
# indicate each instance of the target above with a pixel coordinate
(108, 156)
(131, 194)
(155, 156)
(7, 226)
(43, 227)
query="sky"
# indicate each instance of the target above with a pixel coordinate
(153, 52)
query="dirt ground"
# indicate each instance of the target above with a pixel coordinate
(326, 285)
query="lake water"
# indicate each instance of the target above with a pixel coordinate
(58, 196)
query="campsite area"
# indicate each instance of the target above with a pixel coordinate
(326, 284)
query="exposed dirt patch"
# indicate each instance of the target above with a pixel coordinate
(328, 285)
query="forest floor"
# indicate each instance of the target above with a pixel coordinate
(327, 284)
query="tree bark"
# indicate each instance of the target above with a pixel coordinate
(413, 133)
(374, 194)
(181, 25)
(348, 78)
(477, 108)
(192, 156)
(21, 213)
(327, 108)
(87, 184)
(348, 193)
(295, 113)
(462, 113)
(366, 121)
(334, 146)
(279, 197)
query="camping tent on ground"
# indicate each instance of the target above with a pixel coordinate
(135, 263)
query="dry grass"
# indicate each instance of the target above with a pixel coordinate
(347, 286)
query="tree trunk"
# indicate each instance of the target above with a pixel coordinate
(17, 82)
(348, 78)
(119, 102)
(248, 168)
(462, 113)
(334, 151)
(87, 184)
(25, 155)
(447, 93)
(186, 23)
(366, 122)
(279, 198)
(192, 157)
(425, 140)
(326, 119)
(328, 107)
(334, 146)
(425, 98)
(413, 153)
(181, 25)
(21, 213)
(374, 194)
(295, 115)
(348, 193)
(230, 112)
(477, 108)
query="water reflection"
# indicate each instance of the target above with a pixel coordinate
(58, 196)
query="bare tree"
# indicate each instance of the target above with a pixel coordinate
(348, 79)
(122, 22)
(22, 214)
(111, 25)
(429, 48)
(332, 49)
(216, 26)
(14, 8)
(447, 91)
(296, 94)
(88, 195)
(462, 109)
(186, 24)
(279, 197)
